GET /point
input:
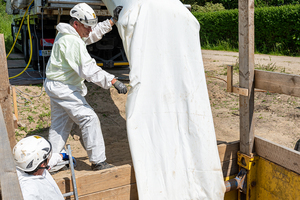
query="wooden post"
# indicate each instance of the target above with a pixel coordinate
(5, 98)
(229, 78)
(246, 74)
(15, 102)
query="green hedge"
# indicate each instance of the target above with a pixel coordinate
(277, 29)
(233, 4)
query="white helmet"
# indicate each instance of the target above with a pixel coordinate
(85, 14)
(30, 152)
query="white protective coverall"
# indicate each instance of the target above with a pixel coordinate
(69, 65)
(169, 121)
(40, 187)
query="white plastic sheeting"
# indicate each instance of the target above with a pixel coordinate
(169, 120)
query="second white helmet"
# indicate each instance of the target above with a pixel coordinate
(85, 14)
(30, 152)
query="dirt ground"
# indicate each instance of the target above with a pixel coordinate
(277, 116)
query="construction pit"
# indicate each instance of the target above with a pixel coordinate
(276, 119)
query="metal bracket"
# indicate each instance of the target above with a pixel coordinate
(245, 161)
(234, 89)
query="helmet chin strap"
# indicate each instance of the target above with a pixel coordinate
(47, 167)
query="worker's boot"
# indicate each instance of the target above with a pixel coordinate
(101, 165)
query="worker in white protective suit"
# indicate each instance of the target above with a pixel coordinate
(33, 157)
(69, 65)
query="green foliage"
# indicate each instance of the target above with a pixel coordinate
(208, 7)
(5, 26)
(218, 26)
(233, 4)
(277, 29)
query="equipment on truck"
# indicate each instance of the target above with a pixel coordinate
(44, 16)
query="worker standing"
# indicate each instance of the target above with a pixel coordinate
(68, 67)
(32, 155)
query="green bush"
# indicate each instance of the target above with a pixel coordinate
(5, 26)
(233, 4)
(209, 7)
(277, 29)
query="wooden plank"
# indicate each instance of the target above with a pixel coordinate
(127, 192)
(228, 151)
(288, 84)
(240, 91)
(49, 11)
(15, 102)
(230, 167)
(229, 78)
(228, 158)
(281, 155)
(95, 181)
(90, 3)
(15, 121)
(10, 188)
(246, 74)
(5, 98)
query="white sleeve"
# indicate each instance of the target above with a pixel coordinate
(86, 67)
(98, 31)
(55, 158)
(90, 71)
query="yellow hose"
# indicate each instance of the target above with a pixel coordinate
(29, 34)
(19, 29)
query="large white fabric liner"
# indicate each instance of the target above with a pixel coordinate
(169, 120)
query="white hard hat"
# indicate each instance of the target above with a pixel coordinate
(30, 152)
(85, 14)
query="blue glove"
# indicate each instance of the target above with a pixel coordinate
(66, 157)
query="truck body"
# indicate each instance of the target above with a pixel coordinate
(44, 16)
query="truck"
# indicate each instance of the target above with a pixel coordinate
(44, 15)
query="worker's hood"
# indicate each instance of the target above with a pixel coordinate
(65, 28)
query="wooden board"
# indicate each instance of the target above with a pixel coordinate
(96, 181)
(228, 151)
(283, 156)
(127, 192)
(277, 82)
(5, 97)
(228, 158)
(10, 188)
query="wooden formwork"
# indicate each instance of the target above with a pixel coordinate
(116, 183)
(119, 183)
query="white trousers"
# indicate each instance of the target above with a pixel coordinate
(69, 106)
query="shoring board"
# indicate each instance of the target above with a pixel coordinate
(93, 185)
(283, 156)
(5, 97)
(288, 84)
(96, 181)
(228, 158)
(228, 151)
(230, 168)
(10, 188)
(127, 192)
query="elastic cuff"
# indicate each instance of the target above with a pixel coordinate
(113, 20)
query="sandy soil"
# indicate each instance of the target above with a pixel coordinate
(277, 116)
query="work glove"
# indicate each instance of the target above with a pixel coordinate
(122, 89)
(116, 12)
(66, 157)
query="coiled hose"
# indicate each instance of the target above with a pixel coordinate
(29, 33)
